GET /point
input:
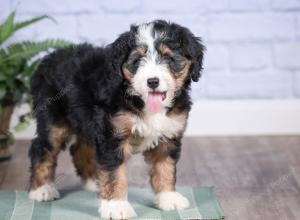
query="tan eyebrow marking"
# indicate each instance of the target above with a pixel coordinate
(140, 50)
(165, 50)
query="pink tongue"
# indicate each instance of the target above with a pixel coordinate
(154, 102)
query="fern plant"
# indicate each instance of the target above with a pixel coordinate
(18, 61)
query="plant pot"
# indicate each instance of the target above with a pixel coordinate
(5, 143)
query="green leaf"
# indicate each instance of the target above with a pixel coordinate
(26, 74)
(10, 82)
(30, 69)
(2, 91)
(18, 92)
(28, 49)
(6, 29)
(2, 76)
(26, 23)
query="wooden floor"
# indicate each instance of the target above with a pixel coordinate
(255, 177)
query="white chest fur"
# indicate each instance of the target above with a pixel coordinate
(153, 127)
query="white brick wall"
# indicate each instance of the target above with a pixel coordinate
(253, 46)
(217, 57)
(250, 57)
(287, 55)
(250, 5)
(283, 5)
(262, 84)
(244, 27)
(298, 26)
(297, 84)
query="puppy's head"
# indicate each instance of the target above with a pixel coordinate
(159, 60)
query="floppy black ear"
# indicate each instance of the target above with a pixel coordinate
(104, 85)
(120, 50)
(196, 49)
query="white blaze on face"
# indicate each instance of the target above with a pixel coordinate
(151, 67)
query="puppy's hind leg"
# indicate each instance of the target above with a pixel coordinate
(43, 153)
(84, 159)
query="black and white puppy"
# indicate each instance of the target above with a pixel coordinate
(111, 102)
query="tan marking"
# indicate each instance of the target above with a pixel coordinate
(179, 114)
(181, 77)
(113, 184)
(123, 123)
(44, 171)
(165, 50)
(58, 135)
(158, 153)
(105, 184)
(126, 148)
(140, 50)
(84, 159)
(127, 74)
(135, 141)
(163, 170)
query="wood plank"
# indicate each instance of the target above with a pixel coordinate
(17, 174)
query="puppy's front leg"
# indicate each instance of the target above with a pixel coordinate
(163, 176)
(113, 187)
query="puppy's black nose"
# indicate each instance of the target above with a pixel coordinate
(153, 82)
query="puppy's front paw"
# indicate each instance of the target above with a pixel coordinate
(46, 192)
(116, 209)
(171, 201)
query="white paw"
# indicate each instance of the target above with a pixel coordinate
(45, 192)
(116, 209)
(91, 185)
(171, 201)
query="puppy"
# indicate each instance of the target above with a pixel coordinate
(111, 102)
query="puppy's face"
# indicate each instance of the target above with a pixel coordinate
(163, 60)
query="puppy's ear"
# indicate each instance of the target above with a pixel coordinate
(196, 50)
(120, 50)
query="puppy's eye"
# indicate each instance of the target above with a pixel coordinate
(132, 64)
(136, 61)
(176, 65)
(169, 58)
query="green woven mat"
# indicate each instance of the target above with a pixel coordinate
(83, 205)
